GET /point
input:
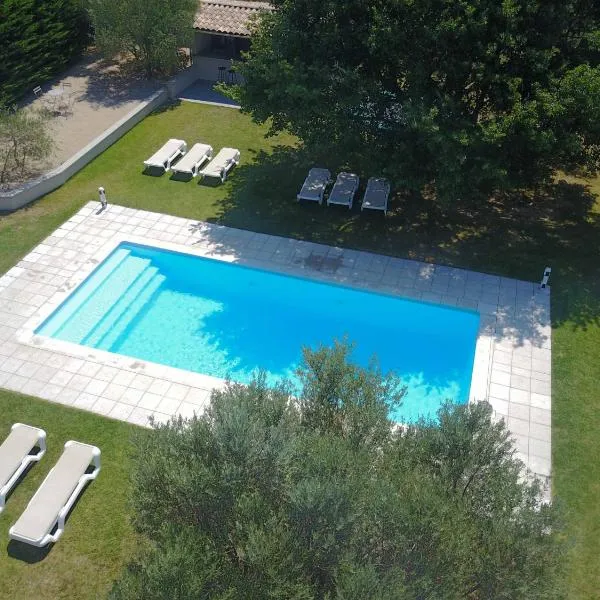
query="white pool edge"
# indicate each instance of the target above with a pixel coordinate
(505, 333)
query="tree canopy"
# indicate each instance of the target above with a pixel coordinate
(458, 96)
(38, 38)
(152, 31)
(24, 139)
(316, 496)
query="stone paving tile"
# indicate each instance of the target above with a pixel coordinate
(131, 396)
(140, 416)
(512, 368)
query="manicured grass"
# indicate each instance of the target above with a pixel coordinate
(557, 226)
(97, 538)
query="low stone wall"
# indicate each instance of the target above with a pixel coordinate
(32, 190)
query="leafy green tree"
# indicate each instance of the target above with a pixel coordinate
(23, 137)
(152, 31)
(458, 97)
(38, 38)
(281, 496)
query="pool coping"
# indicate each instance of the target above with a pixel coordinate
(512, 356)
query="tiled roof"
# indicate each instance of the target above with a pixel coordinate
(227, 16)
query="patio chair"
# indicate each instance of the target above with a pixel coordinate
(221, 164)
(163, 158)
(343, 190)
(376, 194)
(37, 91)
(16, 455)
(43, 521)
(196, 156)
(314, 185)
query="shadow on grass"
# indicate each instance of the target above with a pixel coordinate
(167, 107)
(153, 171)
(27, 553)
(181, 177)
(514, 235)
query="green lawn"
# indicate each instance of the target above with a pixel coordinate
(558, 226)
(97, 538)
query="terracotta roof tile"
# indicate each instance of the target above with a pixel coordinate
(227, 16)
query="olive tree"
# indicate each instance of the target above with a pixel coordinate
(24, 138)
(316, 495)
(152, 31)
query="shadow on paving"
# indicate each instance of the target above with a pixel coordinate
(514, 235)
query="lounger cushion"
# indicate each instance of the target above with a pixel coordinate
(161, 156)
(225, 158)
(344, 189)
(376, 194)
(314, 184)
(42, 511)
(194, 154)
(15, 448)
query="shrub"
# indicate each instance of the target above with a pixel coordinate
(269, 496)
(23, 138)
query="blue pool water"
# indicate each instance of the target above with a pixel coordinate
(226, 320)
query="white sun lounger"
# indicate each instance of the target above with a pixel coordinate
(43, 521)
(376, 194)
(343, 190)
(222, 163)
(15, 455)
(163, 158)
(314, 185)
(196, 156)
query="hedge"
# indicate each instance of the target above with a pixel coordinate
(38, 38)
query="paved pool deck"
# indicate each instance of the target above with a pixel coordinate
(512, 358)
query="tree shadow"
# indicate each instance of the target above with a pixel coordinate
(110, 83)
(167, 107)
(512, 235)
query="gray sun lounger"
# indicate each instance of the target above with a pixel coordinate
(195, 157)
(43, 521)
(314, 185)
(343, 190)
(376, 194)
(16, 455)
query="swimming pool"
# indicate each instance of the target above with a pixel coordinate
(227, 320)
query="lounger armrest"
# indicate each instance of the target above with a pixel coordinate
(179, 152)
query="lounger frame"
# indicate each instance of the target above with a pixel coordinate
(166, 164)
(326, 180)
(197, 164)
(331, 198)
(64, 512)
(28, 460)
(387, 189)
(223, 169)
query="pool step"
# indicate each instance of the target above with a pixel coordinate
(131, 309)
(121, 302)
(102, 299)
(83, 293)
